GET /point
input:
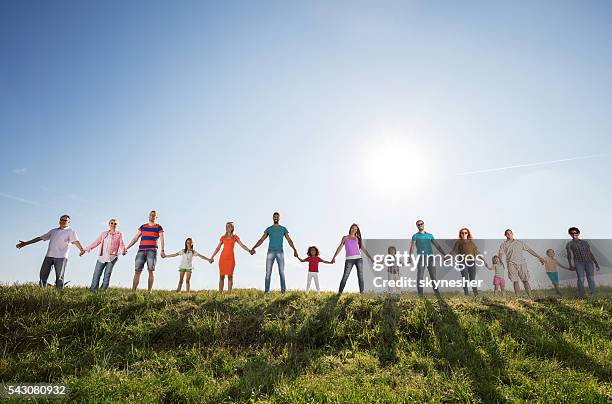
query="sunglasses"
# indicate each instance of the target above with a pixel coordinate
(464, 232)
(113, 223)
(64, 220)
(420, 224)
(574, 233)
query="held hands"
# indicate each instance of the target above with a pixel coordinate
(163, 254)
(252, 251)
(21, 244)
(210, 260)
(82, 253)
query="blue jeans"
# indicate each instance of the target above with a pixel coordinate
(469, 273)
(426, 261)
(280, 259)
(60, 266)
(348, 266)
(148, 256)
(587, 267)
(107, 268)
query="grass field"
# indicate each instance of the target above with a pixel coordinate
(206, 347)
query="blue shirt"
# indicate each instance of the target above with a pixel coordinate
(276, 234)
(423, 243)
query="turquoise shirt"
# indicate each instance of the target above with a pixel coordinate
(276, 234)
(423, 243)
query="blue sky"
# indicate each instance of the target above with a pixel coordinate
(329, 112)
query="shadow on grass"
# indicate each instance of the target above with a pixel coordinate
(459, 352)
(260, 377)
(542, 337)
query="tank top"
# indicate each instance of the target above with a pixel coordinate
(352, 248)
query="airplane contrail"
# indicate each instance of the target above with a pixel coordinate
(539, 163)
(16, 198)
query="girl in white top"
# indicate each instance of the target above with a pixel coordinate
(186, 265)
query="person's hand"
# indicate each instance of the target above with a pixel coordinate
(21, 244)
(295, 254)
(211, 260)
(541, 260)
(572, 268)
(597, 267)
(82, 253)
(124, 252)
(163, 254)
(333, 261)
(252, 251)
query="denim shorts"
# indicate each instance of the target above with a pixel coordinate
(148, 256)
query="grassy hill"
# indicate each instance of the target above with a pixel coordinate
(206, 347)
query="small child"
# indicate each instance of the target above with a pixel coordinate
(186, 265)
(550, 265)
(499, 282)
(393, 271)
(313, 260)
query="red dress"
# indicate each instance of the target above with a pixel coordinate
(227, 261)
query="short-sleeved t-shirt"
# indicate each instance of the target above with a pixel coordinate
(149, 236)
(59, 242)
(423, 243)
(513, 250)
(186, 259)
(498, 270)
(313, 264)
(276, 234)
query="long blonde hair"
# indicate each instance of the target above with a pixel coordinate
(231, 233)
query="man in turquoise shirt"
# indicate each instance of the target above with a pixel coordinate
(423, 242)
(276, 232)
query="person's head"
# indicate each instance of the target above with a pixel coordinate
(64, 221)
(229, 228)
(391, 250)
(509, 235)
(113, 224)
(313, 251)
(354, 231)
(188, 244)
(550, 252)
(465, 234)
(496, 259)
(574, 232)
(420, 224)
(275, 217)
(152, 216)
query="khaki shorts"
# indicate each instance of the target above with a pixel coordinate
(518, 272)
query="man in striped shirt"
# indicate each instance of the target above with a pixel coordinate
(148, 234)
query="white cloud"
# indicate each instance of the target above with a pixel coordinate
(19, 171)
(16, 198)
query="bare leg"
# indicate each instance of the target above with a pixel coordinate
(136, 280)
(556, 285)
(180, 285)
(151, 279)
(517, 288)
(230, 283)
(221, 282)
(187, 282)
(527, 288)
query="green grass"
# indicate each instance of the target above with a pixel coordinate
(206, 347)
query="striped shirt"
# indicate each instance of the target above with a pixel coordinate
(148, 236)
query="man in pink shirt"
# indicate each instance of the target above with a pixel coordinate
(57, 253)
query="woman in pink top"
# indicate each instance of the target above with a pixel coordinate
(353, 246)
(111, 246)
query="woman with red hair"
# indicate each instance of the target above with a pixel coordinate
(465, 246)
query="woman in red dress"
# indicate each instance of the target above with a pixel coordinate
(227, 263)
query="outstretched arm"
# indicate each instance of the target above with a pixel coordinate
(438, 246)
(367, 253)
(134, 240)
(530, 251)
(338, 250)
(261, 240)
(563, 266)
(203, 257)
(79, 246)
(323, 261)
(22, 244)
(241, 244)
(171, 255)
(216, 250)
(290, 242)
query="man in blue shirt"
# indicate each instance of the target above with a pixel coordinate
(276, 232)
(423, 242)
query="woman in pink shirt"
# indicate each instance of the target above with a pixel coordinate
(111, 245)
(354, 247)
